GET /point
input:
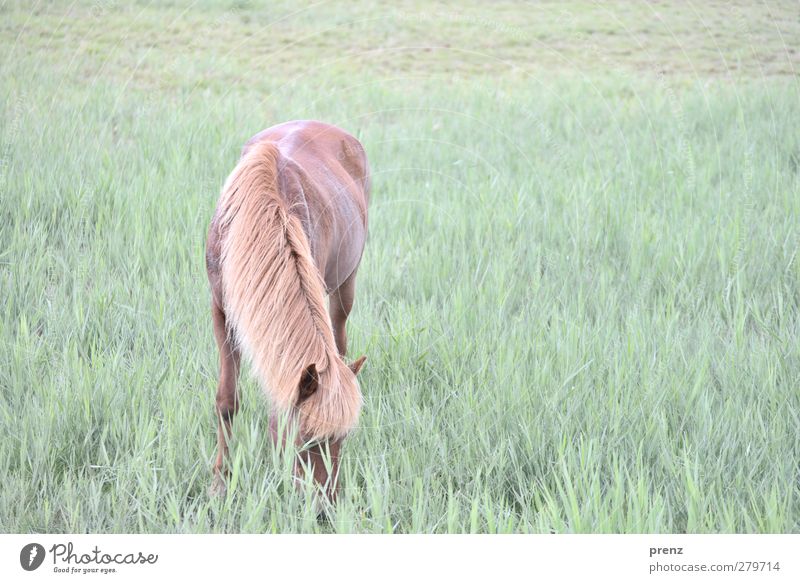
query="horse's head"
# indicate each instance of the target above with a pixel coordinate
(321, 456)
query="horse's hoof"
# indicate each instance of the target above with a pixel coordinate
(218, 487)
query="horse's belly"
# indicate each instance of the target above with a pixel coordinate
(343, 256)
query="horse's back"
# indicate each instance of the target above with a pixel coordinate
(324, 178)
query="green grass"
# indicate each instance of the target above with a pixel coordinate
(580, 297)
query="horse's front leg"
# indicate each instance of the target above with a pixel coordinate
(227, 403)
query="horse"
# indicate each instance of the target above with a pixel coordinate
(290, 228)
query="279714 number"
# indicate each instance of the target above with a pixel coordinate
(746, 566)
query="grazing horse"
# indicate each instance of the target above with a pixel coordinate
(289, 228)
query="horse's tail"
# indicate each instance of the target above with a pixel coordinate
(274, 300)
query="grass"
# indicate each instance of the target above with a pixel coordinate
(580, 298)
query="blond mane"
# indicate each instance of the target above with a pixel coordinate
(274, 297)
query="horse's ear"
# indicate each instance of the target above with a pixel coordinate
(356, 365)
(309, 383)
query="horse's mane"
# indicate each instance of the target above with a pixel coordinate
(274, 298)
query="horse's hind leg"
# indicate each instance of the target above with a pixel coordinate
(341, 302)
(227, 398)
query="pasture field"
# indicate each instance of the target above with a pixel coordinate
(580, 297)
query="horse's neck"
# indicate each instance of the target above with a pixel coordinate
(296, 196)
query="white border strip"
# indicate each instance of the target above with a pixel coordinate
(311, 558)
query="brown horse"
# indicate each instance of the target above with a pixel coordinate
(289, 228)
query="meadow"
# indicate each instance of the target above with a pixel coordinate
(580, 296)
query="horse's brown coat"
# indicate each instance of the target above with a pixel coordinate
(290, 225)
